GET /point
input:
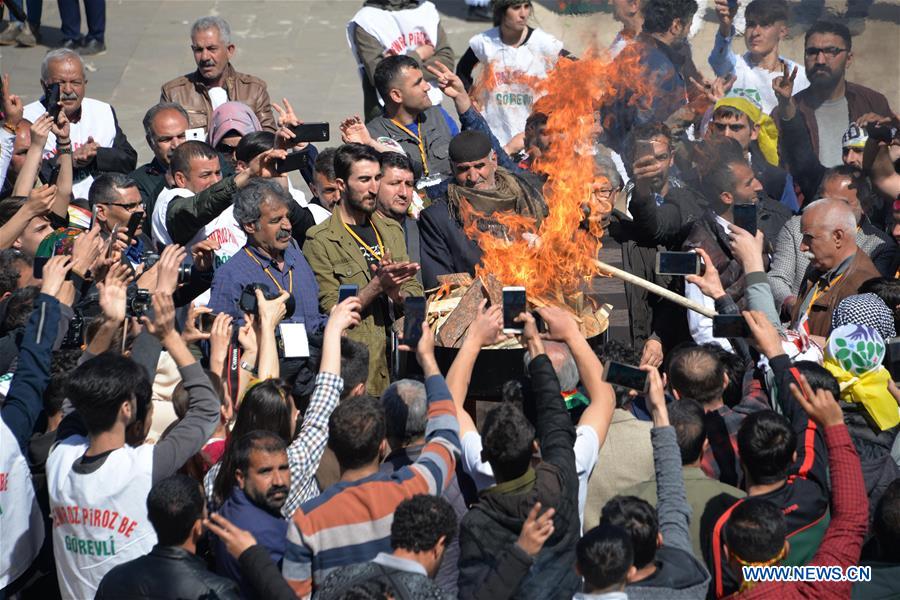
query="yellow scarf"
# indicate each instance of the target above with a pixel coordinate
(768, 132)
(868, 389)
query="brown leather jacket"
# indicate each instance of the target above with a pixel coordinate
(191, 93)
(860, 270)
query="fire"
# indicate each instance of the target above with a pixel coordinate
(555, 261)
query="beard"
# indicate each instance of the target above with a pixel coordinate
(364, 204)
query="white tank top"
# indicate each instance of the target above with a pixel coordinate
(507, 104)
(96, 121)
(99, 518)
(21, 524)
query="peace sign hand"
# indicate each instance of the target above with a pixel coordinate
(783, 86)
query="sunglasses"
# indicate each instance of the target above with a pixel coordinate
(128, 207)
(734, 127)
(830, 51)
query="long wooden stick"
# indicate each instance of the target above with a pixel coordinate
(656, 289)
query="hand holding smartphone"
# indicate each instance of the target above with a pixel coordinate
(616, 373)
(513, 305)
(347, 290)
(745, 217)
(678, 263)
(413, 318)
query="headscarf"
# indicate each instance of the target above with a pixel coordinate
(232, 116)
(855, 137)
(768, 132)
(865, 309)
(853, 354)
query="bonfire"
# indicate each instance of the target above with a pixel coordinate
(556, 262)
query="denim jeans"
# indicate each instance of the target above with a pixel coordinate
(70, 15)
(35, 8)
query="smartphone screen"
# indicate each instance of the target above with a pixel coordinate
(513, 306)
(293, 162)
(347, 291)
(745, 217)
(616, 373)
(892, 358)
(677, 263)
(51, 100)
(133, 222)
(205, 322)
(414, 316)
(730, 326)
(311, 132)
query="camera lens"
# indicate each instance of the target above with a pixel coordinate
(184, 274)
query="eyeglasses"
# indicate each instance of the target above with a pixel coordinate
(131, 207)
(830, 51)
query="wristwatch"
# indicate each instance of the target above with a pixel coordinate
(248, 367)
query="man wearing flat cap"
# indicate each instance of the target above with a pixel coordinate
(478, 191)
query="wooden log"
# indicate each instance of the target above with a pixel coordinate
(656, 289)
(451, 332)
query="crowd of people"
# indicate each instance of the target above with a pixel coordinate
(206, 388)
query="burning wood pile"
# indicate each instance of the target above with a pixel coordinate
(453, 307)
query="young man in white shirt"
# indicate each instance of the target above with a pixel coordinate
(761, 64)
(98, 480)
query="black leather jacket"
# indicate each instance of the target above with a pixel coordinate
(167, 572)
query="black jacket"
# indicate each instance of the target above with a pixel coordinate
(444, 245)
(490, 565)
(167, 572)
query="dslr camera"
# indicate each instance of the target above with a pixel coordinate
(150, 258)
(247, 301)
(138, 303)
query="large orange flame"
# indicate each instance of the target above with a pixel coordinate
(561, 263)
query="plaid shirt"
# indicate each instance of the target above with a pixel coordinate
(306, 450)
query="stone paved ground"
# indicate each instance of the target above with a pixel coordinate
(299, 47)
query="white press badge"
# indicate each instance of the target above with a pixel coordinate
(429, 180)
(293, 336)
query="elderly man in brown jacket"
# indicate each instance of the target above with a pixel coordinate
(358, 246)
(215, 81)
(837, 267)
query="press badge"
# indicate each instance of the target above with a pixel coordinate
(296, 344)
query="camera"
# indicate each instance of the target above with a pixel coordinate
(139, 303)
(75, 333)
(247, 301)
(150, 258)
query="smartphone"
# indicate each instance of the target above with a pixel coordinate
(197, 133)
(730, 326)
(310, 132)
(414, 317)
(881, 133)
(348, 290)
(732, 6)
(54, 175)
(513, 306)
(745, 217)
(111, 243)
(616, 373)
(678, 263)
(892, 358)
(294, 162)
(133, 222)
(205, 322)
(51, 100)
(643, 148)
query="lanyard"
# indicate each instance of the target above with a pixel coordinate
(275, 281)
(420, 139)
(375, 252)
(819, 292)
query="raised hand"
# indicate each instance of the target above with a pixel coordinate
(354, 131)
(114, 292)
(40, 200)
(219, 337)
(61, 127)
(783, 86)
(55, 272)
(263, 165)
(271, 312)
(725, 14)
(162, 325)
(766, 337)
(708, 282)
(344, 316)
(204, 254)
(191, 332)
(487, 328)
(656, 397)
(40, 130)
(536, 530)
(561, 325)
(747, 248)
(820, 405)
(167, 268)
(13, 108)
(286, 120)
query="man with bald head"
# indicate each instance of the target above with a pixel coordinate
(165, 127)
(98, 144)
(837, 266)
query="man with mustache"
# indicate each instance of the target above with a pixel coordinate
(98, 143)
(479, 185)
(837, 266)
(831, 103)
(215, 81)
(395, 199)
(358, 246)
(270, 257)
(261, 482)
(754, 71)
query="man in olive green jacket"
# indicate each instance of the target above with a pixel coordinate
(357, 246)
